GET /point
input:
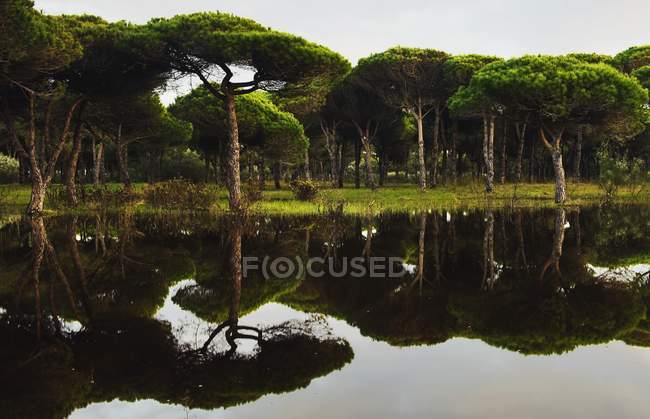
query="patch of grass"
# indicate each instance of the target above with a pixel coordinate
(392, 198)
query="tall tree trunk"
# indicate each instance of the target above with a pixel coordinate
(452, 159)
(123, 159)
(435, 147)
(578, 157)
(422, 174)
(521, 135)
(332, 151)
(357, 163)
(71, 173)
(555, 149)
(488, 151)
(98, 164)
(340, 166)
(365, 141)
(233, 176)
(307, 168)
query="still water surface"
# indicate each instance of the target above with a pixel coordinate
(502, 314)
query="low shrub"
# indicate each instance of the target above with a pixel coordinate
(8, 169)
(616, 172)
(103, 196)
(181, 194)
(304, 190)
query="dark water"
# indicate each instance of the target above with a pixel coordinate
(531, 314)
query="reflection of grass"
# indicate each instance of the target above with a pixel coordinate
(393, 198)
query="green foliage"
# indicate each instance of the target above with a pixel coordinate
(180, 194)
(183, 165)
(643, 75)
(304, 190)
(262, 125)
(193, 42)
(92, 196)
(8, 169)
(592, 58)
(404, 77)
(633, 58)
(616, 172)
(561, 90)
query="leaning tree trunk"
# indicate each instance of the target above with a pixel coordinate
(488, 151)
(233, 177)
(71, 173)
(422, 174)
(578, 158)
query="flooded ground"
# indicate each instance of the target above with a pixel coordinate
(521, 313)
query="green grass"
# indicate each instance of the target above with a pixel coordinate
(392, 198)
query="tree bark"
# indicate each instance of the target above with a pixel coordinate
(556, 154)
(98, 164)
(488, 151)
(489, 274)
(340, 166)
(365, 141)
(233, 176)
(357, 164)
(521, 135)
(307, 168)
(71, 174)
(123, 159)
(422, 174)
(578, 158)
(262, 173)
(435, 147)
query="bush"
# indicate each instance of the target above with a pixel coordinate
(8, 169)
(304, 190)
(181, 194)
(185, 164)
(102, 196)
(616, 172)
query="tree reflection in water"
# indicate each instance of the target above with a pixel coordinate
(79, 297)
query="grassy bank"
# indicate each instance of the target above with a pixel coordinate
(393, 198)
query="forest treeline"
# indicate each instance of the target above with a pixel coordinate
(79, 103)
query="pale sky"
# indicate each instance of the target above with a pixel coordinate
(358, 28)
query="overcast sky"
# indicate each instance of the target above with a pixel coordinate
(357, 28)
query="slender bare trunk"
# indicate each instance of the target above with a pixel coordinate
(488, 151)
(277, 175)
(365, 141)
(262, 173)
(357, 164)
(521, 134)
(71, 174)
(98, 164)
(435, 147)
(307, 168)
(422, 174)
(233, 176)
(578, 158)
(555, 148)
(123, 159)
